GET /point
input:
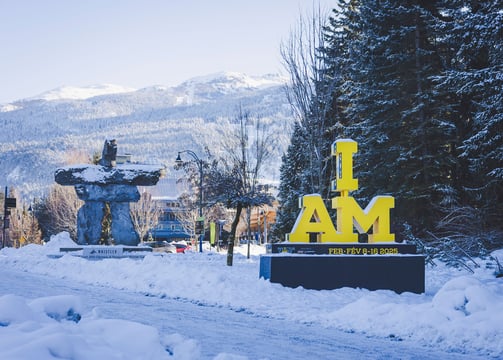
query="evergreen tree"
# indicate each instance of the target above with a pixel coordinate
(392, 113)
(292, 183)
(474, 78)
(419, 86)
(341, 33)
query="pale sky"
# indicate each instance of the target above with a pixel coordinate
(45, 44)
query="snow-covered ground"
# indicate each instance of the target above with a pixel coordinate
(193, 306)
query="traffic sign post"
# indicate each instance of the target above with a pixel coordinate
(200, 231)
(9, 203)
(199, 226)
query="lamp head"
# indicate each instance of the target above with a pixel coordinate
(179, 160)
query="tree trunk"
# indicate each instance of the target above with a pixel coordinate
(230, 248)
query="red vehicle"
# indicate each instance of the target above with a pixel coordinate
(168, 247)
(181, 246)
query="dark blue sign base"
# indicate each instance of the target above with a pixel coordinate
(400, 273)
(341, 248)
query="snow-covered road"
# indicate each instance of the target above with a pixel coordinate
(219, 329)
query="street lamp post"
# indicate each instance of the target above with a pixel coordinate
(31, 234)
(199, 163)
(220, 227)
(263, 215)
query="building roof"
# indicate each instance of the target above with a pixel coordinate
(166, 189)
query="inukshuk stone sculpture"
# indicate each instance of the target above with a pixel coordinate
(108, 183)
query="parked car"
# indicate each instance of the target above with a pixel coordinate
(181, 246)
(161, 246)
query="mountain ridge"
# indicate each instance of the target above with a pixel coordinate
(152, 123)
(69, 92)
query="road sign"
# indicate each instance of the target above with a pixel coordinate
(10, 203)
(199, 227)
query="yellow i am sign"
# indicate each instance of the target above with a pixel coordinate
(315, 219)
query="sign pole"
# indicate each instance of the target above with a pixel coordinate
(4, 217)
(7, 204)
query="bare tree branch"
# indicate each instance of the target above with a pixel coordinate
(145, 214)
(304, 63)
(63, 204)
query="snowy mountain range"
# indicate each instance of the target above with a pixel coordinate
(63, 125)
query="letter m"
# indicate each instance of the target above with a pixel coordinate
(375, 215)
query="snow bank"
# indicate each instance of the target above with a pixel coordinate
(53, 328)
(460, 311)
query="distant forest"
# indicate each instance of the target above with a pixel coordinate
(419, 86)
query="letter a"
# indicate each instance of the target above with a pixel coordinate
(313, 218)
